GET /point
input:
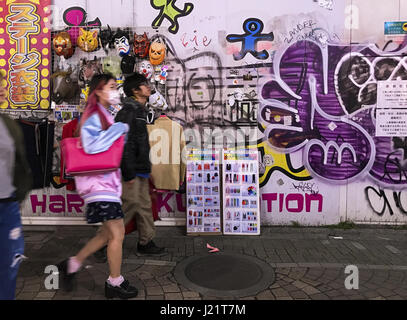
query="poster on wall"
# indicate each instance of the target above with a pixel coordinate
(203, 192)
(66, 113)
(241, 209)
(395, 31)
(25, 53)
(391, 113)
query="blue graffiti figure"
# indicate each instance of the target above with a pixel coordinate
(253, 28)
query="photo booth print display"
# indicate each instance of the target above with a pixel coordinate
(203, 192)
(241, 201)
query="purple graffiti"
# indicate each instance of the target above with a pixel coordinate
(321, 99)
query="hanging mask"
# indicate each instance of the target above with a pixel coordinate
(63, 45)
(106, 37)
(121, 43)
(141, 45)
(157, 101)
(87, 40)
(89, 68)
(146, 69)
(157, 53)
(127, 64)
(112, 65)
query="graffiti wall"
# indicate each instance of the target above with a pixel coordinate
(296, 78)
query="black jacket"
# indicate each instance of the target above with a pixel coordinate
(136, 154)
(22, 179)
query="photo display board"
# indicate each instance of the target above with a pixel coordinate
(203, 192)
(241, 202)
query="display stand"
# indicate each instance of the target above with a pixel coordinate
(203, 193)
(241, 202)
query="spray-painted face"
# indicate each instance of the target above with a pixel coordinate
(122, 46)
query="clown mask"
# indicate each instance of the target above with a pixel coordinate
(157, 53)
(146, 69)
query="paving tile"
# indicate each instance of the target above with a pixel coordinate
(160, 297)
(190, 294)
(299, 284)
(298, 295)
(280, 293)
(171, 288)
(284, 298)
(173, 296)
(310, 290)
(385, 292)
(151, 283)
(265, 295)
(46, 295)
(333, 293)
(32, 288)
(26, 296)
(319, 296)
(154, 291)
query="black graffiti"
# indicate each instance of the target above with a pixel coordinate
(308, 187)
(308, 24)
(357, 86)
(397, 174)
(385, 201)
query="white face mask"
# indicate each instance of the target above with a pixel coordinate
(114, 97)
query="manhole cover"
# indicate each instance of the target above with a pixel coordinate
(225, 275)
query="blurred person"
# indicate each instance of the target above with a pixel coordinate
(101, 192)
(16, 182)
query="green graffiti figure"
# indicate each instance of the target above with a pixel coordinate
(171, 12)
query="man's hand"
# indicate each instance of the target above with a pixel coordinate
(131, 181)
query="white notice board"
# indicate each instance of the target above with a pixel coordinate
(391, 110)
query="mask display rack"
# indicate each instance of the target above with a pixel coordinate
(203, 193)
(241, 192)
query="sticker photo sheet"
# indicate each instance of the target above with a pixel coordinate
(241, 212)
(203, 192)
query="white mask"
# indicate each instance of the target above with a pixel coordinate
(114, 97)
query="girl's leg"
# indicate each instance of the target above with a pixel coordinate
(97, 242)
(115, 245)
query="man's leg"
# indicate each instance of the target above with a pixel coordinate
(129, 200)
(144, 215)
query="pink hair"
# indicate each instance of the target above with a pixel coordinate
(91, 108)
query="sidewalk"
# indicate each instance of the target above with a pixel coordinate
(309, 263)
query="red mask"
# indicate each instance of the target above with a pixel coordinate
(63, 45)
(141, 45)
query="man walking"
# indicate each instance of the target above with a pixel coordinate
(136, 166)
